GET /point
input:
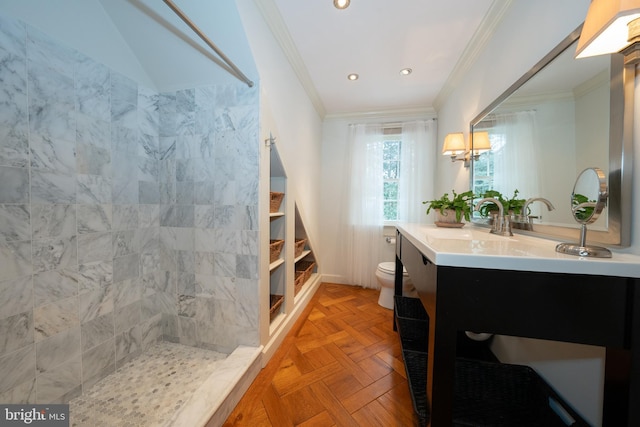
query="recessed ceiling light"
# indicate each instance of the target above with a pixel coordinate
(406, 71)
(353, 76)
(341, 4)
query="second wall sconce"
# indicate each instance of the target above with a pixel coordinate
(611, 26)
(454, 146)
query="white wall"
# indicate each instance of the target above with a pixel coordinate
(593, 115)
(334, 179)
(549, 119)
(291, 118)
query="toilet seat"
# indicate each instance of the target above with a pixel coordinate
(390, 268)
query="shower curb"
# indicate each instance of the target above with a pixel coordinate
(214, 400)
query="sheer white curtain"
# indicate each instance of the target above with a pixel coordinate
(515, 157)
(363, 220)
(417, 169)
(364, 197)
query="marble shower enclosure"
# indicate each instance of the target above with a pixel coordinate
(127, 216)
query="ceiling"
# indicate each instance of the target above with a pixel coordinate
(437, 39)
(376, 39)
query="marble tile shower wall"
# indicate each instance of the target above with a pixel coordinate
(208, 215)
(125, 217)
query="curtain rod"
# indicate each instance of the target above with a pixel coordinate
(236, 72)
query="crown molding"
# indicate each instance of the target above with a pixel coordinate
(596, 82)
(404, 114)
(514, 103)
(278, 28)
(476, 45)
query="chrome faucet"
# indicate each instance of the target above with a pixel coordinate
(502, 223)
(523, 220)
(524, 217)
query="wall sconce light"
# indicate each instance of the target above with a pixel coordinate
(481, 143)
(611, 26)
(341, 4)
(454, 146)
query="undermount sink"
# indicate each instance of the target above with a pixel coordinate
(474, 247)
(442, 233)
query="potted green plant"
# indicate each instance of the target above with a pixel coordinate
(512, 205)
(451, 210)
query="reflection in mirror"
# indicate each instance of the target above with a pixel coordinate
(588, 199)
(559, 126)
(589, 196)
(562, 117)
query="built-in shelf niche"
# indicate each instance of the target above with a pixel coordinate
(306, 255)
(283, 297)
(277, 231)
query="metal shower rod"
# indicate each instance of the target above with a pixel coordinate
(234, 70)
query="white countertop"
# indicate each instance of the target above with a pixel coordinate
(475, 247)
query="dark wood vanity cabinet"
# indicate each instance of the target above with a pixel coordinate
(586, 309)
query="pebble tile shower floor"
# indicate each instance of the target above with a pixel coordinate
(148, 390)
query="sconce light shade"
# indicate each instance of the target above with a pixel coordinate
(454, 144)
(481, 142)
(605, 27)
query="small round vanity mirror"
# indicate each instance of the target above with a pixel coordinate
(588, 199)
(589, 196)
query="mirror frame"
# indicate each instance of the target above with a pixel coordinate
(622, 85)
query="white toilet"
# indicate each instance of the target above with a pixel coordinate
(385, 273)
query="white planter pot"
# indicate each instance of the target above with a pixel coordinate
(448, 219)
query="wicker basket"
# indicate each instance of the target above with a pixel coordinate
(274, 305)
(300, 247)
(412, 322)
(504, 395)
(307, 268)
(275, 247)
(299, 282)
(276, 199)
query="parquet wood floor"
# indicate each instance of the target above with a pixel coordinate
(340, 365)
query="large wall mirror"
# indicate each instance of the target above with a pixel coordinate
(561, 117)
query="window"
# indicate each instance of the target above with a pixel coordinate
(483, 173)
(391, 176)
(484, 167)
